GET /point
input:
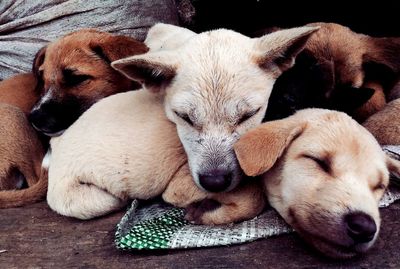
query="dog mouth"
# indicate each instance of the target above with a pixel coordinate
(48, 133)
(329, 247)
(333, 249)
(55, 134)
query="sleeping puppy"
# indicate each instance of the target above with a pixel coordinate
(322, 172)
(74, 72)
(341, 70)
(124, 147)
(21, 154)
(216, 86)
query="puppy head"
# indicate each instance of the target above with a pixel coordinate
(74, 72)
(216, 86)
(324, 174)
(333, 72)
(311, 83)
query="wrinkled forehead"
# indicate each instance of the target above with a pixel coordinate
(71, 56)
(219, 75)
(216, 89)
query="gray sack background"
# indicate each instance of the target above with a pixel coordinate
(26, 26)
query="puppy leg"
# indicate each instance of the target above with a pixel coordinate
(182, 191)
(243, 203)
(83, 201)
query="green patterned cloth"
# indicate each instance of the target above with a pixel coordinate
(155, 233)
(161, 226)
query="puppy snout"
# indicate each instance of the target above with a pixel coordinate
(360, 227)
(216, 180)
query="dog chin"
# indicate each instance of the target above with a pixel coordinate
(335, 250)
(55, 134)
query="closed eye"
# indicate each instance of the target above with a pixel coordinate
(72, 79)
(248, 115)
(380, 186)
(184, 117)
(323, 163)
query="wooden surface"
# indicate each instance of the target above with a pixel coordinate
(36, 237)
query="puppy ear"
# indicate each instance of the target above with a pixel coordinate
(381, 62)
(114, 47)
(150, 69)
(277, 51)
(348, 98)
(259, 149)
(38, 61)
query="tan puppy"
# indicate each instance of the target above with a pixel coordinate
(324, 174)
(21, 154)
(74, 72)
(385, 125)
(216, 86)
(124, 147)
(20, 91)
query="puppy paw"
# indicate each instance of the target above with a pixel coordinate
(195, 212)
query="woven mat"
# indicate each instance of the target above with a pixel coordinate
(161, 226)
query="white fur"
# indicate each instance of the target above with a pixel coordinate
(99, 162)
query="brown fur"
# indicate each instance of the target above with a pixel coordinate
(90, 52)
(352, 55)
(19, 91)
(74, 72)
(339, 70)
(21, 154)
(385, 125)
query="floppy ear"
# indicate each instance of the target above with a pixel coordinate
(115, 47)
(278, 50)
(259, 149)
(381, 62)
(151, 70)
(348, 98)
(38, 61)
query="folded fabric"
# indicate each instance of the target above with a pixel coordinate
(161, 226)
(26, 26)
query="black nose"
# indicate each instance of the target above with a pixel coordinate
(215, 181)
(360, 227)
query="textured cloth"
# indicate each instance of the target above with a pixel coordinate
(26, 26)
(161, 226)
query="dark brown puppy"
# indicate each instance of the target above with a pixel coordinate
(74, 72)
(338, 69)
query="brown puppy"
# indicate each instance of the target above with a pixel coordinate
(341, 70)
(21, 154)
(69, 75)
(385, 125)
(74, 72)
(20, 91)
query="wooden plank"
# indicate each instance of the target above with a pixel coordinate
(36, 237)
